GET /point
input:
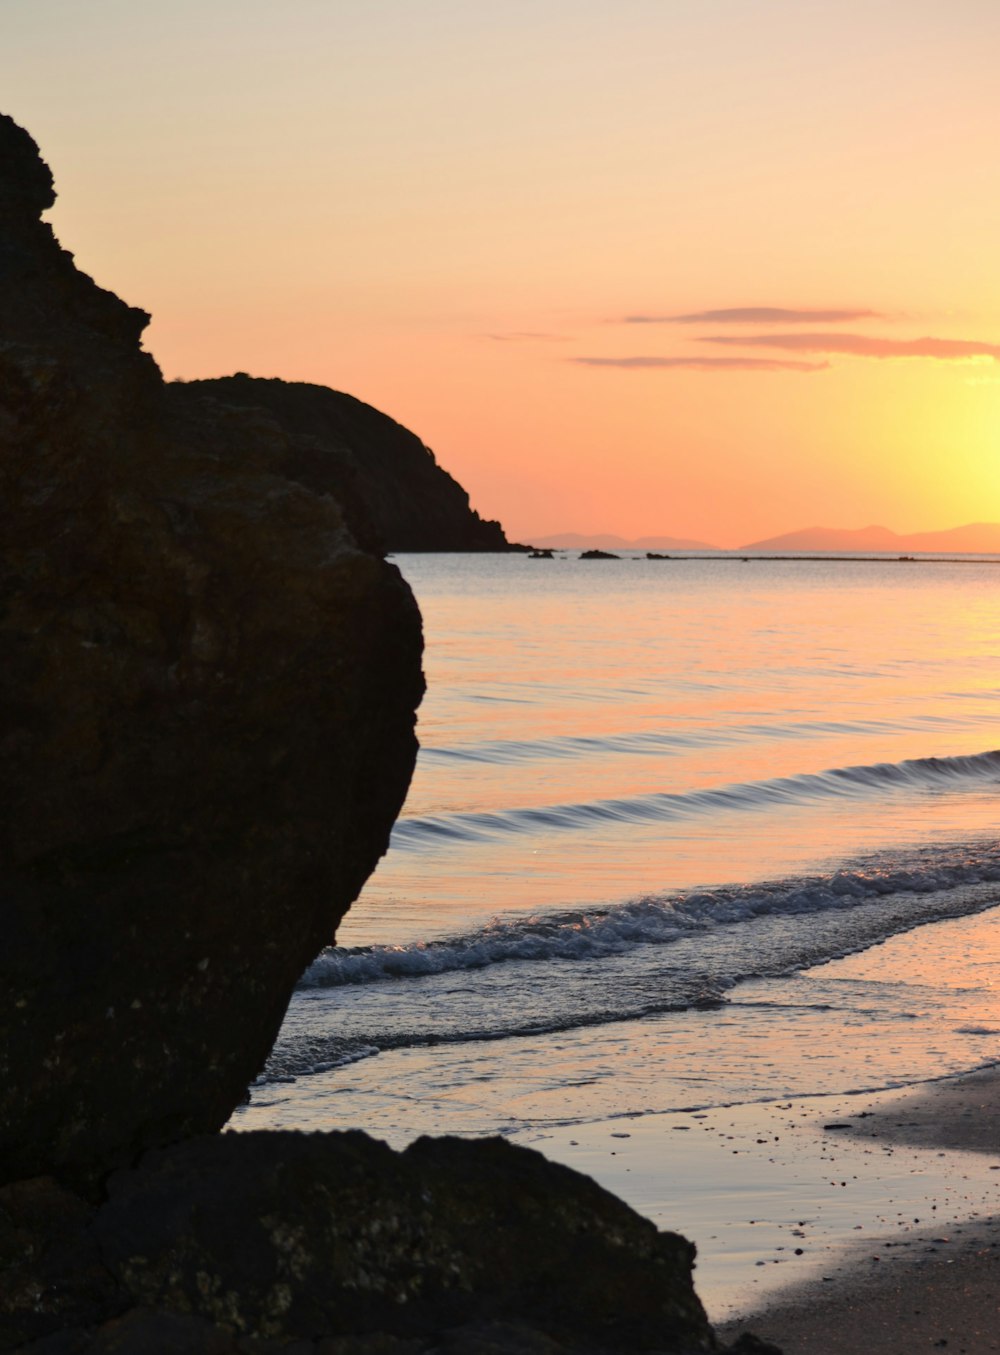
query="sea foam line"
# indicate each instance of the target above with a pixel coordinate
(584, 935)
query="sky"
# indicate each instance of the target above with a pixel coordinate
(706, 268)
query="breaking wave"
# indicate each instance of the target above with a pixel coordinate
(658, 921)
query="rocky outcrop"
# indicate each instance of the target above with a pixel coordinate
(398, 495)
(276, 1238)
(209, 694)
(210, 690)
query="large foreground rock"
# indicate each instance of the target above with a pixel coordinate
(227, 1242)
(208, 692)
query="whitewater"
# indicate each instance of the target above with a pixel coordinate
(683, 834)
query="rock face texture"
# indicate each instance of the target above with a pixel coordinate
(384, 472)
(279, 1237)
(209, 694)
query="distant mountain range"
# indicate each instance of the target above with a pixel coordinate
(976, 538)
(605, 541)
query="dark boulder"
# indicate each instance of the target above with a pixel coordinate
(286, 1234)
(209, 695)
(390, 482)
(236, 1239)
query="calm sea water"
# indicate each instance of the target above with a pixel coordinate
(666, 820)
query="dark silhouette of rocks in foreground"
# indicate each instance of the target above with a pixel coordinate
(249, 1242)
(386, 475)
(210, 690)
(599, 555)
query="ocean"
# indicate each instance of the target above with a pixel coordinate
(684, 834)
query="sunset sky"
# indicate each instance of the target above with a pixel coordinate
(709, 268)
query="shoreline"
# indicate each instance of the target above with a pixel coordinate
(782, 1197)
(788, 1201)
(936, 1288)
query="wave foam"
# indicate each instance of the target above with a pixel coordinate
(584, 935)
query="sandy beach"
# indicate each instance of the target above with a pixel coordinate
(938, 1288)
(825, 1224)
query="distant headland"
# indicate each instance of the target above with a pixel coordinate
(975, 538)
(397, 496)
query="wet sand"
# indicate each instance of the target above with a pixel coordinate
(938, 1289)
(779, 1193)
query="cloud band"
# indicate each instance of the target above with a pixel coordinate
(755, 315)
(863, 345)
(699, 364)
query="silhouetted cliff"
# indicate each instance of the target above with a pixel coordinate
(396, 492)
(208, 692)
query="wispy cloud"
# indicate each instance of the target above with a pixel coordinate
(863, 345)
(526, 336)
(755, 315)
(697, 364)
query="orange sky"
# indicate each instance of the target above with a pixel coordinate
(486, 219)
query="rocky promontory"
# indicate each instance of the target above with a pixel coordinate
(209, 692)
(400, 499)
(209, 678)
